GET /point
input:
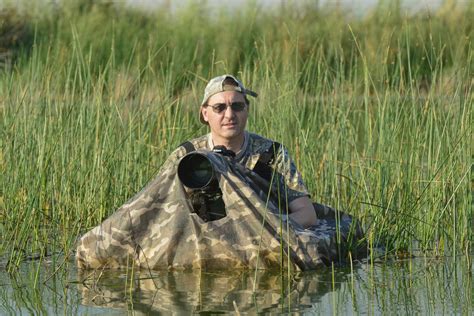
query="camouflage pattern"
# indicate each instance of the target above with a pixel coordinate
(158, 229)
(289, 179)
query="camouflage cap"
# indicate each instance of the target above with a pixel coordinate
(217, 84)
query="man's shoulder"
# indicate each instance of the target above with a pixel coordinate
(201, 142)
(188, 146)
(258, 143)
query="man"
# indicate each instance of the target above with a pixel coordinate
(225, 109)
(163, 226)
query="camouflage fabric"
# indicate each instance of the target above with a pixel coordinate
(289, 181)
(159, 229)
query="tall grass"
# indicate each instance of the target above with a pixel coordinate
(377, 112)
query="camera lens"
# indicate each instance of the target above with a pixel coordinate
(195, 171)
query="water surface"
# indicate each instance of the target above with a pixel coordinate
(411, 286)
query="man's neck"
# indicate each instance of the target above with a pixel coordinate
(231, 144)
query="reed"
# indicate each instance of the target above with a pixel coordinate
(377, 112)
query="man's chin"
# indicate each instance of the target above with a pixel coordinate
(231, 133)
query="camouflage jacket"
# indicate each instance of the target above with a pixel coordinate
(287, 180)
(159, 229)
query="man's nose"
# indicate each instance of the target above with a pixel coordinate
(229, 112)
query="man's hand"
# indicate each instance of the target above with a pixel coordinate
(302, 211)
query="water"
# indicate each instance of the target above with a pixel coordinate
(411, 286)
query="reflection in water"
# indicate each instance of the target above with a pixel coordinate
(415, 286)
(186, 292)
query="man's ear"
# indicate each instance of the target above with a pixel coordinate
(204, 113)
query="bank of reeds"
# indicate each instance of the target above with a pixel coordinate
(376, 110)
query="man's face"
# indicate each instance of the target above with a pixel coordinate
(229, 124)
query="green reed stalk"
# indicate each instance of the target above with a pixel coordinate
(376, 111)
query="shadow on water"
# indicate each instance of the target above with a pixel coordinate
(412, 286)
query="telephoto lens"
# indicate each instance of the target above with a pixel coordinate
(195, 171)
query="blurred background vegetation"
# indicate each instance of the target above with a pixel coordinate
(398, 48)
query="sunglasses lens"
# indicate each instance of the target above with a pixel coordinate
(218, 108)
(237, 106)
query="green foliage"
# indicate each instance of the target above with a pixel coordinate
(377, 111)
(16, 34)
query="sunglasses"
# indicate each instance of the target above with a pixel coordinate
(221, 107)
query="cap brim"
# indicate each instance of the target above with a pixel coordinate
(251, 93)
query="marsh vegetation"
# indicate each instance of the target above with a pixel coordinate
(377, 112)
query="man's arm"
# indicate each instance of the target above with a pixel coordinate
(301, 208)
(302, 211)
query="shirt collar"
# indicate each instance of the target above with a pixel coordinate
(242, 150)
